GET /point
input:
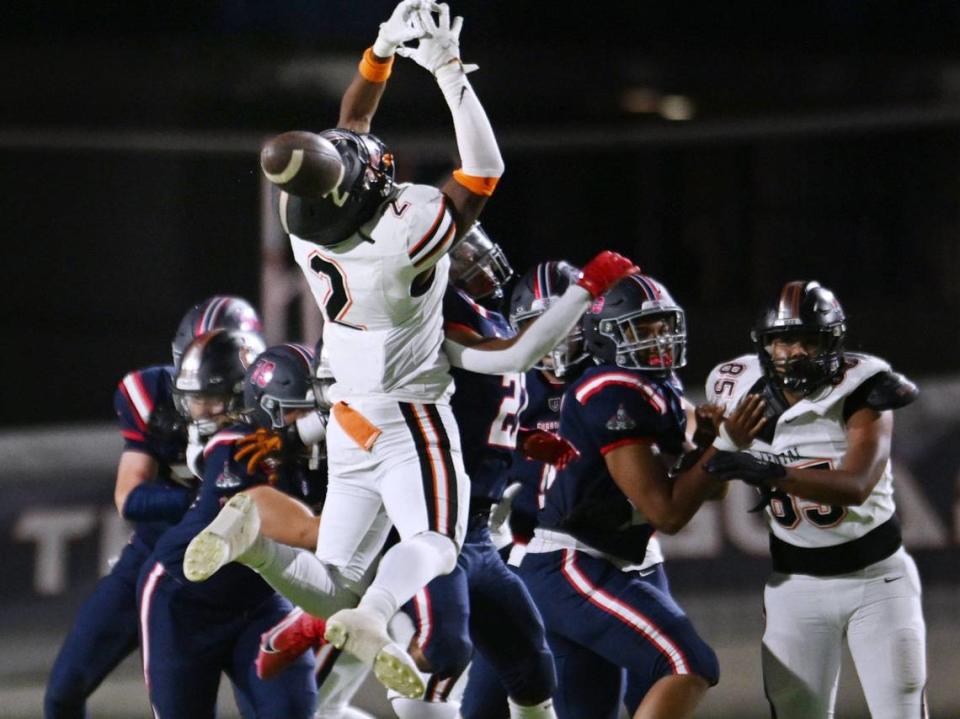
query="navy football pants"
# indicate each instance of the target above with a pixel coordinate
(603, 622)
(187, 644)
(104, 633)
(483, 604)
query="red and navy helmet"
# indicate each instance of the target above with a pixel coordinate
(478, 265)
(805, 311)
(213, 367)
(217, 312)
(636, 324)
(366, 183)
(539, 288)
(279, 380)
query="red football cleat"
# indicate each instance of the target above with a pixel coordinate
(281, 645)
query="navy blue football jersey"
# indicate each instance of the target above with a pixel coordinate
(542, 412)
(149, 423)
(606, 408)
(234, 585)
(487, 407)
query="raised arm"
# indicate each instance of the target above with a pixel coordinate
(360, 101)
(519, 353)
(481, 164)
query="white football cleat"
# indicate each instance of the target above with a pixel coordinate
(232, 532)
(363, 634)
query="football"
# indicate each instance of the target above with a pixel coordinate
(302, 163)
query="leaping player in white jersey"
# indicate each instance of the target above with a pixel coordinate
(374, 254)
(822, 461)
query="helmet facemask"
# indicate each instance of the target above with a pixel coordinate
(276, 408)
(648, 340)
(820, 363)
(568, 353)
(478, 266)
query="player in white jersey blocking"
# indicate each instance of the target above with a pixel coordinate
(374, 255)
(822, 461)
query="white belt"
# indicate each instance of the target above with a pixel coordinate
(548, 540)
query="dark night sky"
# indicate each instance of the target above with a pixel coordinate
(824, 144)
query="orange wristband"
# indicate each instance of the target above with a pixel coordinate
(477, 185)
(373, 71)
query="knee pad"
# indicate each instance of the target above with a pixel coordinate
(443, 547)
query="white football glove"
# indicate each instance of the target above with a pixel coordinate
(440, 45)
(404, 25)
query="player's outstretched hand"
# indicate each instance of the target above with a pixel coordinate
(740, 465)
(746, 421)
(258, 447)
(547, 447)
(604, 271)
(403, 26)
(440, 44)
(708, 417)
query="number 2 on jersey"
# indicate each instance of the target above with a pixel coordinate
(503, 429)
(337, 300)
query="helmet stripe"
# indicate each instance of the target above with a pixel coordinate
(653, 292)
(648, 295)
(789, 307)
(302, 352)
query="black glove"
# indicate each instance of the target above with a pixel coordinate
(746, 467)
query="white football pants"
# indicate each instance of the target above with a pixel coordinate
(877, 610)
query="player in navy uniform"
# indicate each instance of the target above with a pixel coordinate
(153, 490)
(190, 633)
(593, 566)
(538, 446)
(546, 382)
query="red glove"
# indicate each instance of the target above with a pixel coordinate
(543, 446)
(604, 271)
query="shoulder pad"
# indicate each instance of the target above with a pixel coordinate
(430, 224)
(226, 436)
(619, 381)
(890, 390)
(730, 380)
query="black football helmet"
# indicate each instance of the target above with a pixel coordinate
(807, 312)
(217, 312)
(615, 328)
(367, 180)
(210, 376)
(279, 380)
(532, 295)
(478, 265)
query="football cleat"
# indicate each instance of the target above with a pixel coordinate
(284, 643)
(363, 634)
(232, 532)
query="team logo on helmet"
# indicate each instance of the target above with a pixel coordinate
(263, 373)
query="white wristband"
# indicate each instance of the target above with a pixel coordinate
(383, 48)
(311, 429)
(723, 442)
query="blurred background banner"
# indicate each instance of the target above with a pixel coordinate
(59, 528)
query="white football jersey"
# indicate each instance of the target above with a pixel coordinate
(383, 340)
(810, 434)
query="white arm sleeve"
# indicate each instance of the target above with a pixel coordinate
(541, 336)
(479, 154)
